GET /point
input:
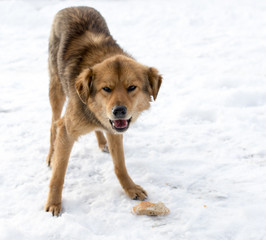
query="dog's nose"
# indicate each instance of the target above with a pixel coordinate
(119, 111)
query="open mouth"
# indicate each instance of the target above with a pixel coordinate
(120, 125)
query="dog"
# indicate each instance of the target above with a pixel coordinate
(107, 89)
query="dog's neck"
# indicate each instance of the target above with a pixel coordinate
(101, 47)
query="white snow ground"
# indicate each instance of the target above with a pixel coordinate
(200, 149)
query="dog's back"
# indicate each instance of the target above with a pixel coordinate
(78, 33)
(76, 20)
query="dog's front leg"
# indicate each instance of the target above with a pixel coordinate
(63, 146)
(115, 143)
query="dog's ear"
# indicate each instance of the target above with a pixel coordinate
(155, 81)
(83, 84)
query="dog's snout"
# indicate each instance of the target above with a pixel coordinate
(119, 111)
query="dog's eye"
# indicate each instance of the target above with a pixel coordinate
(131, 88)
(107, 89)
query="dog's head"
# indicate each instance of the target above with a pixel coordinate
(118, 90)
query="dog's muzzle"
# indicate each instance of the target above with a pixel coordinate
(120, 123)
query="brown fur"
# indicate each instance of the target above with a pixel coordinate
(83, 60)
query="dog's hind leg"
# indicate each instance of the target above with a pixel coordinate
(57, 99)
(102, 143)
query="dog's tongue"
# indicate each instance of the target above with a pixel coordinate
(120, 123)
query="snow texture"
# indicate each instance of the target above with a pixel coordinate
(200, 149)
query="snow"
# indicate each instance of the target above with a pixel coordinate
(200, 149)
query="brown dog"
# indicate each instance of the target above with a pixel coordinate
(106, 89)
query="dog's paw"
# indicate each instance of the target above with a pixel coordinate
(53, 208)
(137, 193)
(49, 161)
(104, 148)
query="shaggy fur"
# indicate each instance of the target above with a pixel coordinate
(106, 89)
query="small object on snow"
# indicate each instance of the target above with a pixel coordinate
(151, 209)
